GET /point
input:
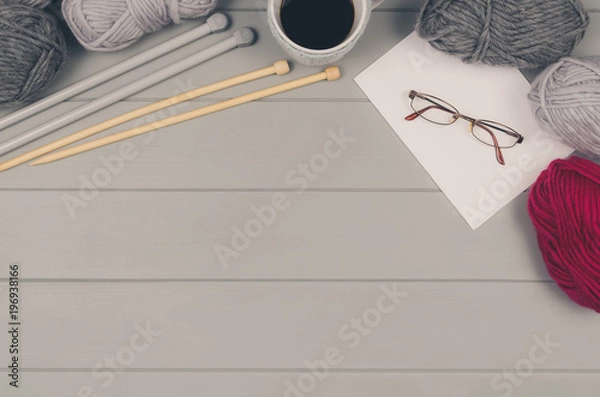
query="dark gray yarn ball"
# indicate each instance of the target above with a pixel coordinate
(33, 52)
(522, 33)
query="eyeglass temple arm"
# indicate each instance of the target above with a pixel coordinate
(499, 155)
(416, 114)
(508, 132)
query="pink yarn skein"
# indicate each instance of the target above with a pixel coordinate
(564, 205)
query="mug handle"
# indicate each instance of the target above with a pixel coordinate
(376, 3)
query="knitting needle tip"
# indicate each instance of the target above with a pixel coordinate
(281, 67)
(332, 73)
(218, 22)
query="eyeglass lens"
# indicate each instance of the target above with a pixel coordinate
(434, 109)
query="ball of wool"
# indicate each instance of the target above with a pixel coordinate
(566, 102)
(31, 3)
(564, 205)
(111, 25)
(33, 52)
(521, 33)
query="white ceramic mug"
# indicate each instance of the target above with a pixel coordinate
(310, 57)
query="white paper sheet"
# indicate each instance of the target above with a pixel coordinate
(465, 169)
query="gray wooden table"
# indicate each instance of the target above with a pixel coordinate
(369, 271)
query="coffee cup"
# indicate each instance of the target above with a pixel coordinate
(319, 32)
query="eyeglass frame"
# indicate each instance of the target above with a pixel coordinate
(456, 115)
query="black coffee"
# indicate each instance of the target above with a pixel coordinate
(317, 24)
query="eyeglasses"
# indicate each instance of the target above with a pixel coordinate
(438, 111)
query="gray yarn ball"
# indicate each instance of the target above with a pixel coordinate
(521, 33)
(566, 102)
(33, 52)
(111, 25)
(31, 3)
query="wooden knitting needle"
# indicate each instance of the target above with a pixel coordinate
(279, 68)
(330, 74)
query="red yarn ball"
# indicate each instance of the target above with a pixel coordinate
(564, 205)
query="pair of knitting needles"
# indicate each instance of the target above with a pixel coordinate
(279, 68)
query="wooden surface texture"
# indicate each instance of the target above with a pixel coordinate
(446, 311)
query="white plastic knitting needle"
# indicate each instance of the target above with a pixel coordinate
(216, 23)
(241, 38)
(330, 74)
(280, 68)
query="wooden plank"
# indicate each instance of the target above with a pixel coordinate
(236, 5)
(173, 235)
(386, 29)
(387, 5)
(215, 152)
(216, 325)
(159, 384)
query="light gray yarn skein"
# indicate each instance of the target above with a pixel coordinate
(521, 33)
(111, 25)
(566, 102)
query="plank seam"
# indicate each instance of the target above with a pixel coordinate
(593, 371)
(273, 280)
